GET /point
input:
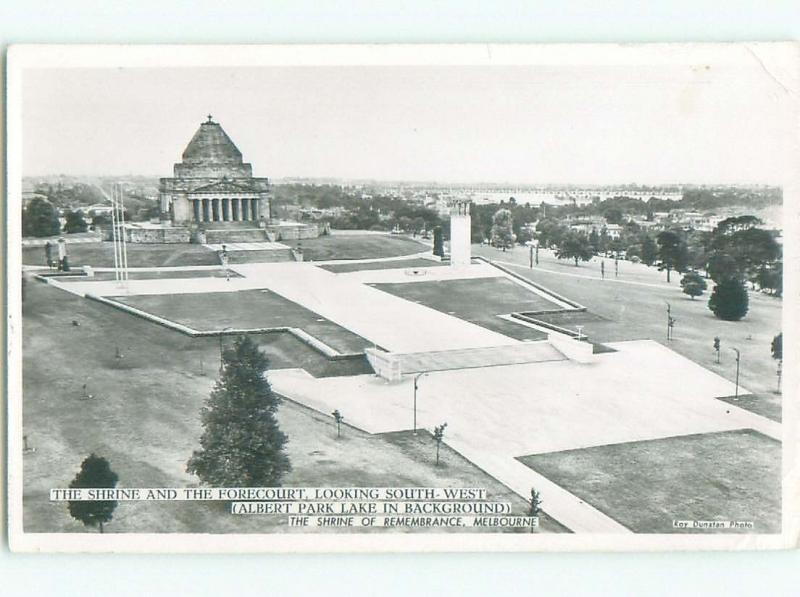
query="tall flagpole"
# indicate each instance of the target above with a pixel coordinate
(124, 241)
(114, 229)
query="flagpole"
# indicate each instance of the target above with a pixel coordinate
(114, 229)
(124, 241)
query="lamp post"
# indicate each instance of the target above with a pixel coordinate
(416, 386)
(738, 358)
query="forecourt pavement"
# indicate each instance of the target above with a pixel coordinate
(496, 414)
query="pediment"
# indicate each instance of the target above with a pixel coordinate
(224, 186)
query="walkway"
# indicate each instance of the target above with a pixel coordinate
(643, 391)
(395, 324)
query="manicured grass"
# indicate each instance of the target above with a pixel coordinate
(339, 268)
(421, 448)
(139, 255)
(245, 310)
(144, 418)
(358, 246)
(732, 475)
(478, 300)
(635, 312)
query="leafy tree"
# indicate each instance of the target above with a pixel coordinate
(672, 253)
(777, 347)
(649, 250)
(75, 222)
(535, 503)
(693, 284)
(729, 300)
(771, 278)
(574, 246)
(40, 218)
(438, 241)
(95, 473)
(503, 229)
(241, 445)
(613, 215)
(722, 266)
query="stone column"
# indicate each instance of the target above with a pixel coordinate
(245, 210)
(235, 210)
(206, 211)
(196, 210)
(215, 210)
(255, 209)
(226, 209)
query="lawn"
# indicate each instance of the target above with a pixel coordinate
(144, 418)
(646, 485)
(245, 310)
(139, 255)
(340, 268)
(478, 300)
(633, 311)
(359, 246)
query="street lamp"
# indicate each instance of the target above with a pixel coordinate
(738, 358)
(416, 386)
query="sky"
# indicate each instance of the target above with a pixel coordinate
(522, 124)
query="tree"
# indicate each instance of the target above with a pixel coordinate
(95, 473)
(337, 416)
(722, 267)
(649, 250)
(672, 252)
(776, 348)
(75, 222)
(503, 229)
(241, 445)
(693, 284)
(534, 505)
(729, 300)
(574, 246)
(40, 218)
(438, 436)
(438, 241)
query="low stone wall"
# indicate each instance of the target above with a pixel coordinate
(293, 231)
(165, 235)
(575, 350)
(385, 364)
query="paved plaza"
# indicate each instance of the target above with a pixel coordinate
(496, 414)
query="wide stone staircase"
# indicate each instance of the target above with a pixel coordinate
(234, 232)
(467, 358)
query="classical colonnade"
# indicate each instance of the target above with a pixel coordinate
(226, 210)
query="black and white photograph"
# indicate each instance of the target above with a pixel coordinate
(402, 298)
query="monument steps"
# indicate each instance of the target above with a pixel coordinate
(235, 235)
(467, 358)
